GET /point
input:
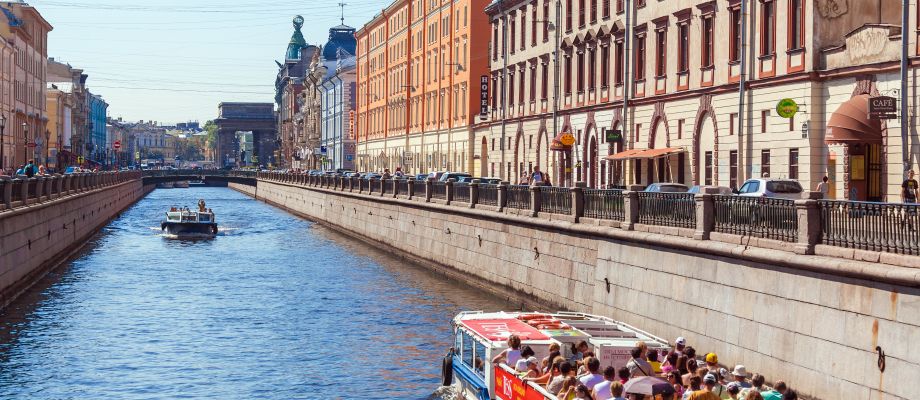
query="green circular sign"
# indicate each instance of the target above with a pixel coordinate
(787, 108)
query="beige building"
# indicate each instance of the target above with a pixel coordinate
(679, 63)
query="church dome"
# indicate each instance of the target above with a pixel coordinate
(342, 38)
(297, 41)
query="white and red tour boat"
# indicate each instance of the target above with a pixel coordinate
(480, 336)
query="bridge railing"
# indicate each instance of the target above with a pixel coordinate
(22, 191)
(807, 223)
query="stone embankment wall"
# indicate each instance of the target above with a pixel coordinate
(36, 238)
(776, 312)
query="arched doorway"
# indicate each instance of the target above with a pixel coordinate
(863, 154)
(593, 161)
(658, 168)
(705, 153)
(520, 157)
(542, 152)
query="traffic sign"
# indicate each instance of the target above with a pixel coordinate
(117, 145)
(567, 139)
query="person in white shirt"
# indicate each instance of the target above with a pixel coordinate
(602, 390)
(592, 378)
(512, 354)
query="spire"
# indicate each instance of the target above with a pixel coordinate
(342, 6)
(297, 41)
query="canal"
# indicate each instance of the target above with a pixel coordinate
(275, 307)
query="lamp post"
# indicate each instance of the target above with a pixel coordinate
(47, 147)
(25, 149)
(2, 145)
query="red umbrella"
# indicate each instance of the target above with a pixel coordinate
(648, 385)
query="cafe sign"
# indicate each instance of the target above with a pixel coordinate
(614, 135)
(787, 108)
(567, 139)
(883, 107)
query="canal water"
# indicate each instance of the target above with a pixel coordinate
(275, 307)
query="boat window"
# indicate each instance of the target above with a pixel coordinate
(467, 350)
(480, 359)
(458, 346)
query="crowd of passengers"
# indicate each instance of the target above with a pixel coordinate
(580, 377)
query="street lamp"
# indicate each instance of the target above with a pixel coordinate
(2, 145)
(25, 149)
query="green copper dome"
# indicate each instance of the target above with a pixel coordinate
(297, 41)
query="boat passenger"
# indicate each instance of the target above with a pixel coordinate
(623, 374)
(593, 377)
(578, 351)
(583, 393)
(617, 389)
(652, 359)
(602, 390)
(548, 361)
(675, 380)
(568, 389)
(532, 368)
(561, 370)
(512, 354)
(521, 364)
(638, 366)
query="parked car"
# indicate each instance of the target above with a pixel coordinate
(371, 176)
(72, 170)
(421, 177)
(665, 187)
(770, 187)
(453, 175)
(483, 181)
(723, 190)
(436, 176)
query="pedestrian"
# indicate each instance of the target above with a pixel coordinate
(539, 177)
(593, 377)
(706, 393)
(637, 365)
(399, 173)
(386, 174)
(776, 393)
(909, 189)
(602, 390)
(823, 187)
(30, 169)
(525, 179)
(42, 170)
(21, 170)
(512, 354)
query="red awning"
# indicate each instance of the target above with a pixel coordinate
(645, 153)
(851, 123)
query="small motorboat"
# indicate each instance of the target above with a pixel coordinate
(181, 185)
(165, 185)
(186, 223)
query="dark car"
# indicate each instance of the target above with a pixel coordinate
(421, 177)
(453, 175)
(664, 187)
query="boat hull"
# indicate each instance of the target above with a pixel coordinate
(181, 185)
(189, 229)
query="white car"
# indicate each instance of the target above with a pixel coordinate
(769, 187)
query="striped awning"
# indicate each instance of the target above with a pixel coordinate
(633, 154)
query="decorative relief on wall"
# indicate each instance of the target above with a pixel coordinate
(831, 9)
(867, 42)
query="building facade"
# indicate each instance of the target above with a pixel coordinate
(59, 129)
(27, 33)
(419, 65)
(338, 113)
(97, 123)
(72, 82)
(289, 86)
(679, 65)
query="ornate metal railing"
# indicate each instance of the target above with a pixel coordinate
(518, 197)
(374, 185)
(488, 195)
(667, 209)
(555, 200)
(764, 217)
(604, 204)
(418, 188)
(461, 192)
(439, 190)
(886, 227)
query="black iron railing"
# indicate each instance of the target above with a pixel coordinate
(604, 204)
(889, 227)
(374, 185)
(488, 195)
(555, 200)
(763, 217)
(439, 190)
(667, 209)
(518, 197)
(418, 188)
(461, 192)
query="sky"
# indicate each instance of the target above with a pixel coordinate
(174, 61)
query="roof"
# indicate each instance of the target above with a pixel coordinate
(297, 41)
(341, 40)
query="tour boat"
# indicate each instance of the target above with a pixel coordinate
(165, 185)
(186, 223)
(181, 185)
(480, 336)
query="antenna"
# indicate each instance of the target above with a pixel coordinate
(342, 6)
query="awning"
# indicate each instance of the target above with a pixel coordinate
(556, 144)
(851, 123)
(633, 154)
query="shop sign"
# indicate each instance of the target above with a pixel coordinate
(510, 387)
(787, 108)
(483, 96)
(567, 139)
(883, 107)
(614, 135)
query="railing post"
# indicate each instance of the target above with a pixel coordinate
(631, 207)
(502, 195)
(410, 190)
(449, 190)
(578, 200)
(395, 187)
(7, 192)
(705, 213)
(428, 185)
(535, 199)
(383, 185)
(808, 214)
(474, 193)
(25, 190)
(59, 185)
(66, 182)
(39, 188)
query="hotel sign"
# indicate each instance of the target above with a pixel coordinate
(883, 107)
(483, 97)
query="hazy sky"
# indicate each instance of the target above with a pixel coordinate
(174, 61)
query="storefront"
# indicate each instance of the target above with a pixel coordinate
(862, 141)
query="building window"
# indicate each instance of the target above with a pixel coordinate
(513, 36)
(620, 6)
(593, 11)
(605, 66)
(636, 133)
(796, 24)
(764, 115)
(794, 164)
(533, 84)
(605, 12)
(707, 60)
(545, 84)
(568, 15)
(734, 52)
(568, 75)
(731, 123)
(733, 169)
(767, 28)
(510, 94)
(765, 163)
(545, 19)
(618, 73)
(523, 83)
(661, 37)
(680, 128)
(581, 13)
(683, 62)
(533, 24)
(592, 71)
(707, 180)
(640, 57)
(581, 72)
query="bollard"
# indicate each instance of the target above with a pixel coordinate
(503, 195)
(428, 190)
(59, 185)
(410, 189)
(474, 193)
(383, 185)
(25, 190)
(535, 199)
(808, 213)
(631, 207)
(705, 213)
(39, 188)
(395, 188)
(578, 200)
(449, 190)
(7, 192)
